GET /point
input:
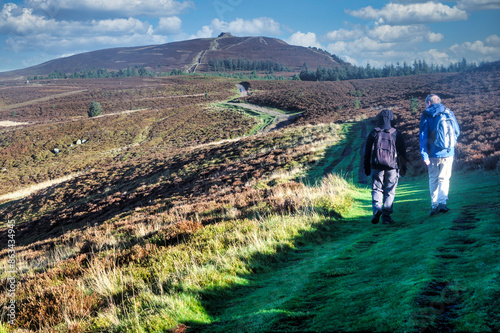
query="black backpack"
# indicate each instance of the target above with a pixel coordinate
(384, 149)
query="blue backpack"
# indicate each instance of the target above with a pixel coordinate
(446, 132)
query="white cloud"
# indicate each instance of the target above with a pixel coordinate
(156, 8)
(404, 34)
(434, 38)
(394, 13)
(241, 27)
(60, 45)
(29, 32)
(477, 5)
(493, 40)
(169, 25)
(21, 21)
(205, 32)
(108, 27)
(258, 26)
(433, 56)
(382, 38)
(364, 50)
(488, 50)
(304, 39)
(343, 34)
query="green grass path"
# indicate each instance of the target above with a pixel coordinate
(436, 273)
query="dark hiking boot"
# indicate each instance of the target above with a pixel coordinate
(434, 211)
(387, 220)
(443, 208)
(376, 217)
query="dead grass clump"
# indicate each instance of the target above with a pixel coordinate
(286, 198)
(136, 254)
(330, 197)
(44, 303)
(176, 232)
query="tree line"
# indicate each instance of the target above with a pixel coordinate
(240, 64)
(359, 72)
(221, 67)
(100, 73)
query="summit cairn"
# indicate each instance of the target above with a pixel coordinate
(225, 34)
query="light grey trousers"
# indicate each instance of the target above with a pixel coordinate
(384, 183)
(439, 179)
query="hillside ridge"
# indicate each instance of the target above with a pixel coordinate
(189, 55)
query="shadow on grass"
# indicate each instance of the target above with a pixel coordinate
(289, 291)
(267, 296)
(284, 291)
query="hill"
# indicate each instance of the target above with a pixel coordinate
(175, 211)
(190, 55)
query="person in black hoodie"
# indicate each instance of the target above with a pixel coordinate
(385, 161)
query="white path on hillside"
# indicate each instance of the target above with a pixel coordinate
(23, 193)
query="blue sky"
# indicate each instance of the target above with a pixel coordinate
(359, 31)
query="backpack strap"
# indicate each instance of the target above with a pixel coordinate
(391, 130)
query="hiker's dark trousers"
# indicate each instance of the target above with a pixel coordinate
(384, 184)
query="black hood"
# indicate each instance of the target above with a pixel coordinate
(384, 119)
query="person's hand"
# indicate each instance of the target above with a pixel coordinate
(427, 162)
(368, 172)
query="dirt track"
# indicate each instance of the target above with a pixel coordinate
(281, 119)
(38, 100)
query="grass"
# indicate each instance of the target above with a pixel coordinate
(354, 276)
(174, 283)
(308, 260)
(309, 272)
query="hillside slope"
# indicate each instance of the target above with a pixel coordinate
(190, 55)
(179, 211)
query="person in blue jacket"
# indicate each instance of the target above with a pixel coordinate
(439, 161)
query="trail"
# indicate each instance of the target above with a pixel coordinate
(38, 100)
(281, 119)
(24, 192)
(350, 275)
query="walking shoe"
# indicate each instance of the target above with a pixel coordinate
(443, 208)
(387, 220)
(434, 211)
(376, 216)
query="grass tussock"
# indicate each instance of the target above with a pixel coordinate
(330, 197)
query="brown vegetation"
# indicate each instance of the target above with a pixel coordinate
(152, 178)
(474, 97)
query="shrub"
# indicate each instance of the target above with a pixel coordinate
(357, 103)
(95, 109)
(414, 105)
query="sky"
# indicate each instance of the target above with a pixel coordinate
(361, 32)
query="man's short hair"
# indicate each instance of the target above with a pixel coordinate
(433, 99)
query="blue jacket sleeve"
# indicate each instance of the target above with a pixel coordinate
(423, 137)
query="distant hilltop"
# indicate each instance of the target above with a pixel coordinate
(193, 55)
(225, 34)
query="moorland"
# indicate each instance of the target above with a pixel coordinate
(175, 210)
